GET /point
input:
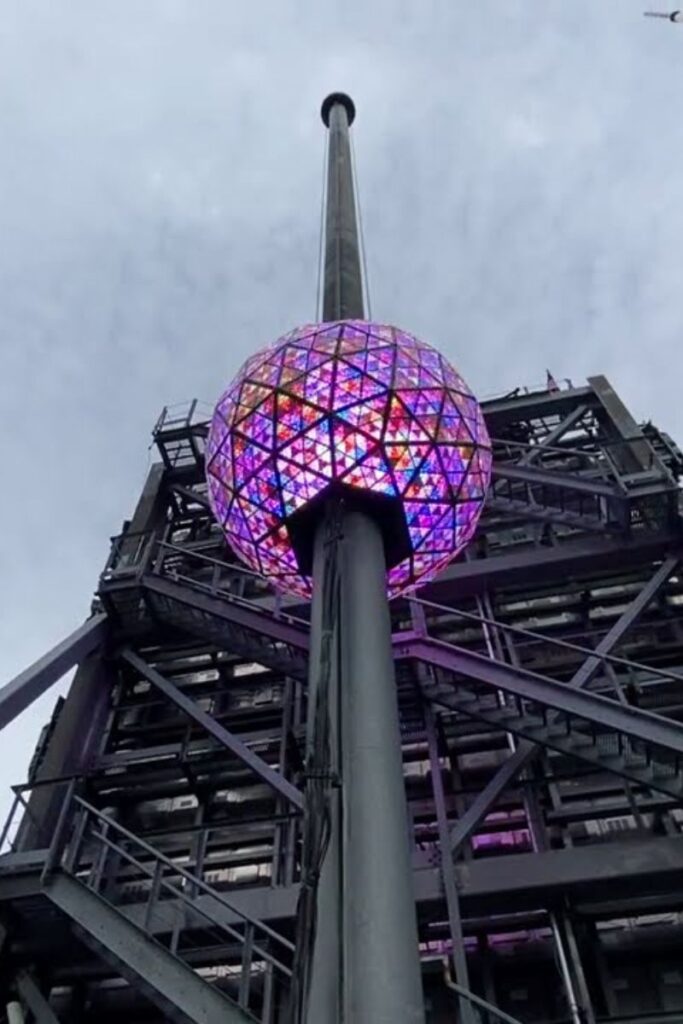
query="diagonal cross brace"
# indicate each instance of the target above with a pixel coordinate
(32, 683)
(219, 732)
(542, 690)
(554, 436)
(34, 999)
(526, 752)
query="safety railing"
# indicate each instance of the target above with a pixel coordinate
(129, 553)
(182, 414)
(132, 554)
(18, 812)
(484, 622)
(192, 920)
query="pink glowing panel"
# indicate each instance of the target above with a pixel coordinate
(354, 403)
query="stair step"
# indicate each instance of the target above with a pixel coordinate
(172, 985)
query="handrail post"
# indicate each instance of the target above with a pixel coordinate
(8, 822)
(245, 976)
(56, 849)
(153, 895)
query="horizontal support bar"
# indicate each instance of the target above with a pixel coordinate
(516, 407)
(497, 885)
(546, 514)
(548, 478)
(532, 566)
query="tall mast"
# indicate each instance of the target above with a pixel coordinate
(343, 281)
(364, 964)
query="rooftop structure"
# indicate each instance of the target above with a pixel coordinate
(493, 766)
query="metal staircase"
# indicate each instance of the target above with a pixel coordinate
(154, 582)
(193, 953)
(196, 593)
(640, 746)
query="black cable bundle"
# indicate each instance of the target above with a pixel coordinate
(320, 780)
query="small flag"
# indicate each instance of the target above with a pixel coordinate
(551, 383)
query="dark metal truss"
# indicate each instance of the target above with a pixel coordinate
(30, 684)
(215, 729)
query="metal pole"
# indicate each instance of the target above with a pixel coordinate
(15, 1013)
(321, 980)
(381, 968)
(343, 282)
(323, 1000)
(365, 965)
(448, 867)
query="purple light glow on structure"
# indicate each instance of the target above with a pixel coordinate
(354, 403)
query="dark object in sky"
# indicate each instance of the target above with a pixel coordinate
(675, 16)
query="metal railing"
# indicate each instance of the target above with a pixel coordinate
(128, 555)
(539, 638)
(181, 911)
(182, 414)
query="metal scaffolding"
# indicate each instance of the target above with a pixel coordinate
(153, 861)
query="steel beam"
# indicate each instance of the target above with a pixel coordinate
(34, 999)
(591, 707)
(555, 434)
(634, 454)
(448, 871)
(649, 866)
(534, 476)
(219, 732)
(30, 684)
(238, 611)
(532, 567)
(180, 993)
(514, 408)
(573, 557)
(192, 496)
(381, 965)
(525, 753)
(546, 514)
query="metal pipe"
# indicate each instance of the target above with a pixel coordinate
(574, 1008)
(381, 964)
(323, 999)
(448, 867)
(342, 281)
(15, 1013)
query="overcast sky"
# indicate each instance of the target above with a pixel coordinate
(160, 171)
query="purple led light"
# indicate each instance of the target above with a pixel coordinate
(358, 403)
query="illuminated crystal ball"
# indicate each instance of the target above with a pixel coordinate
(353, 406)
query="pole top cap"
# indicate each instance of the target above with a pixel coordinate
(331, 100)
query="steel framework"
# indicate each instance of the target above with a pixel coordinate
(151, 865)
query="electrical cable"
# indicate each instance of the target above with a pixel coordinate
(359, 214)
(323, 194)
(320, 780)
